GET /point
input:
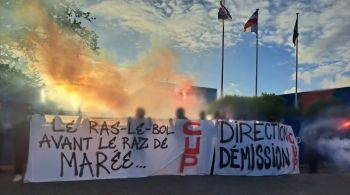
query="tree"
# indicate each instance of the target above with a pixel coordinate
(320, 106)
(18, 19)
(18, 86)
(14, 43)
(265, 107)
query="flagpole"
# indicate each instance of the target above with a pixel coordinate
(222, 59)
(256, 59)
(296, 71)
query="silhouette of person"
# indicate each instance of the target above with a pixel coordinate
(202, 115)
(140, 118)
(140, 113)
(140, 124)
(180, 114)
(21, 140)
(217, 115)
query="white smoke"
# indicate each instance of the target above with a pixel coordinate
(329, 137)
(338, 151)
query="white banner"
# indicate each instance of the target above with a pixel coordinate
(73, 148)
(256, 149)
(66, 148)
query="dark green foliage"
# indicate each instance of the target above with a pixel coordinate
(18, 82)
(320, 106)
(266, 107)
(69, 16)
(17, 86)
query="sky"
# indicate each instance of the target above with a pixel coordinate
(190, 28)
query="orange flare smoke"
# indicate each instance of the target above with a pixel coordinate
(75, 79)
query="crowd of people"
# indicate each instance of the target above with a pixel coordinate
(18, 125)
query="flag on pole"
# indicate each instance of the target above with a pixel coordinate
(224, 14)
(295, 33)
(295, 41)
(252, 24)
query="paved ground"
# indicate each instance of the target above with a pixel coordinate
(318, 184)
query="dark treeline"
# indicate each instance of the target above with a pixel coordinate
(267, 107)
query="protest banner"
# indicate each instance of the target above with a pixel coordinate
(255, 148)
(68, 148)
(105, 148)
